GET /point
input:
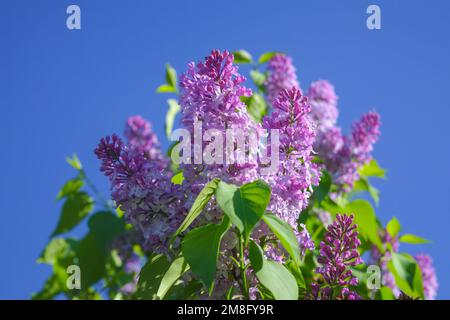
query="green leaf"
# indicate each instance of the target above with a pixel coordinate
(393, 227)
(366, 220)
(413, 239)
(321, 191)
(245, 205)
(91, 260)
(74, 210)
(258, 78)
(174, 161)
(174, 108)
(178, 178)
(60, 254)
(363, 185)
(298, 275)
(56, 249)
(200, 247)
(285, 234)
(242, 56)
(266, 57)
(151, 276)
(256, 106)
(407, 275)
(175, 271)
(74, 162)
(273, 276)
(105, 227)
(199, 204)
(171, 76)
(71, 187)
(386, 293)
(165, 88)
(372, 169)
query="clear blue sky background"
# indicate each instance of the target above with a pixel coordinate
(62, 90)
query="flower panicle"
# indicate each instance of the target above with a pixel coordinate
(338, 252)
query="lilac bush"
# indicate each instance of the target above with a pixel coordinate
(209, 220)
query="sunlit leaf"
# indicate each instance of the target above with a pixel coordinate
(242, 56)
(413, 239)
(74, 210)
(199, 204)
(266, 57)
(200, 248)
(244, 205)
(174, 109)
(273, 276)
(393, 227)
(285, 234)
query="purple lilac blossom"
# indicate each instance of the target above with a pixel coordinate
(281, 76)
(338, 252)
(429, 278)
(142, 138)
(323, 100)
(343, 155)
(143, 190)
(210, 94)
(291, 186)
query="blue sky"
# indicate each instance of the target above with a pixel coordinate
(62, 90)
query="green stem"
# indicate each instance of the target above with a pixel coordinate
(242, 267)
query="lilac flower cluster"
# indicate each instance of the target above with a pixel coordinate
(342, 155)
(142, 139)
(292, 117)
(338, 252)
(211, 91)
(323, 100)
(281, 76)
(141, 185)
(291, 186)
(429, 278)
(210, 94)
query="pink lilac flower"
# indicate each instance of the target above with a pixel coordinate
(429, 278)
(338, 252)
(323, 100)
(143, 190)
(281, 76)
(343, 155)
(365, 133)
(142, 138)
(211, 93)
(296, 173)
(291, 186)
